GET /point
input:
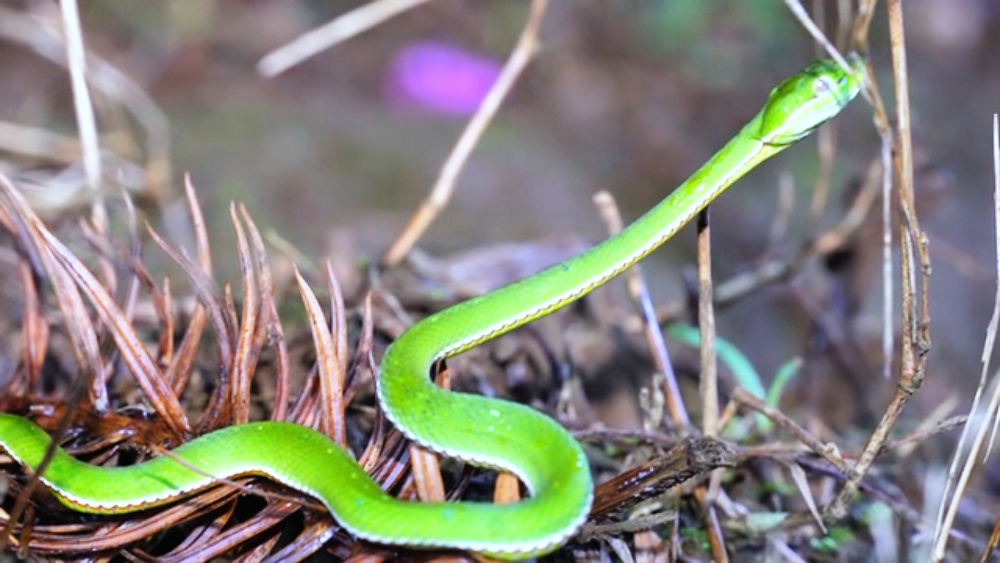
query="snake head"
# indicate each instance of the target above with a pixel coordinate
(809, 99)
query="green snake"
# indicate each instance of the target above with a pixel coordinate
(481, 431)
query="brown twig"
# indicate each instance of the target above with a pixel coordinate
(270, 331)
(708, 383)
(426, 473)
(35, 331)
(331, 387)
(957, 481)
(654, 334)
(708, 387)
(243, 366)
(362, 361)
(87, 123)
(340, 29)
(338, 321)
(825, 451)
(915, 316)
(444, 187)
(817, 34)
(688, 459)
(179, 371)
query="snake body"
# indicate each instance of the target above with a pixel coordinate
(478, 430)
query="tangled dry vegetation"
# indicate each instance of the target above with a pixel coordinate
(95, 335)
(85, 332)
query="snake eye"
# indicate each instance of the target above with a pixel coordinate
(823, 86)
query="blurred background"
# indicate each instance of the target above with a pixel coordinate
(629, 97)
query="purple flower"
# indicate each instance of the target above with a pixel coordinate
(438, 77)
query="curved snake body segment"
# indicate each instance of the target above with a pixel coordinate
(475, 429)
